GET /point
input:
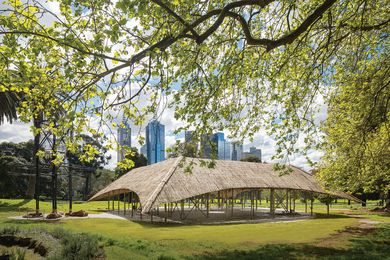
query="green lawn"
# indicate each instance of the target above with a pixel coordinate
(129, 240)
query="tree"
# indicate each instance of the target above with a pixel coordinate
(357, 141)
(89, 156)
(251, 159)
(138, 159)
(16, 160)
(240, 65)
(8, 105)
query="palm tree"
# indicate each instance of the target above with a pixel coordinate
(9, 102)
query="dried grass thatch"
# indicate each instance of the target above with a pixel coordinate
(167, 181)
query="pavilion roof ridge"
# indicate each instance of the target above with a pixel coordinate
(150, 202)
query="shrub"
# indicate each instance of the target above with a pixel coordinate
(9, 230)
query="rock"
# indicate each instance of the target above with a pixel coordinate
(80, 213)
(33, 215)
(53, 215)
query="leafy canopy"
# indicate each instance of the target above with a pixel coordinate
(240, 65)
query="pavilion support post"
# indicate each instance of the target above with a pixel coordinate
(219, 200)
(311, 206)
(118, 197)
(113, 201)
(124, 203)
(287, 197)
(272, 202)
(257, 198)
(252, 204)
(305, 194)
(132, 204)
(165, 212)
(226, 204)
(182, 209)
(208, 205)
(232, 203)
(108, 203)
(294, 195)
(260, 197)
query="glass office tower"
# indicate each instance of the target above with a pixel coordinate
(155, 142)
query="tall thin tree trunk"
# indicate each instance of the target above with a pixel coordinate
(54, 178)
(70, 185)
(87, 184)
(37, 125)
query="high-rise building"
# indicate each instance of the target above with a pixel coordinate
(227, 153)
(124, 139)
(255, 152)
(216, 141)
(219, 141)
(155, 142)
(237, 149)
(206, 143)
(188, 136)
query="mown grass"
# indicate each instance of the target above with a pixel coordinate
(130, 240)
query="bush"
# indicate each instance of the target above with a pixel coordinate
(9, 231)
(76, 246)
(18, 254)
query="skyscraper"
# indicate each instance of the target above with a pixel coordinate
(155, 142)
(227, 153)
(188, 136)
(124, 139)
(255, 152)
(143, 151)
(216, 141)
(219, 140)
(237, 149)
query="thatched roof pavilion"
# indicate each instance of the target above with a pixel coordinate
(168, 182)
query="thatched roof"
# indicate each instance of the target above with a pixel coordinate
(168, 181)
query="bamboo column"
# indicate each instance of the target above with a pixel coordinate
(305, 194)
(272, 202)
(311, 206)
(124, 203)
(132, 204)
(165, 212)
(232, 203)
(182, 209)
(118, 197)
(294, 193)
(208, 205)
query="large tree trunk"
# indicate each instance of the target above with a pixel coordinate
(388, 200)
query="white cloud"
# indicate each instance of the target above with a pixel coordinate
(15, 132)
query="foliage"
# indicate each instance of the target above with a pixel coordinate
(357, 141)
(138, 160)
(235, 65)
(251, 159)
(8, 105)
(186, 149)
(16, 176)
(76, 246)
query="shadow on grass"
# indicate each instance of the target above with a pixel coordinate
(5, 207)
(373, 245)
(330, 216)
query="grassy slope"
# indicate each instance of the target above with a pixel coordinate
(129, 240)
